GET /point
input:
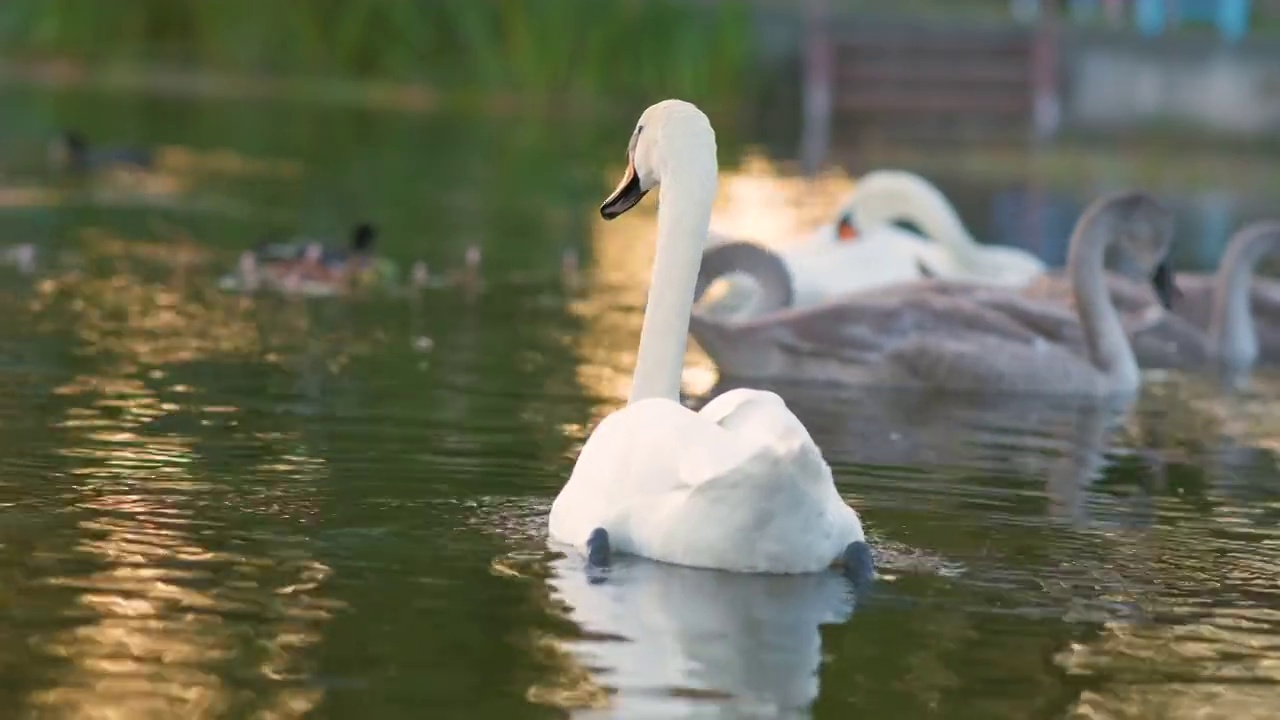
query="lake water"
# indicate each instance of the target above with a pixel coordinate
(214, 505)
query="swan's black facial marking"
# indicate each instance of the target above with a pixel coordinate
(924, 269)
(629, 192)
(1166, 288)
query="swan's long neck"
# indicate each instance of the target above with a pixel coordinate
(685, 198)
(916, 200)
(940, 221)
(1109, 347)
(1232, 336)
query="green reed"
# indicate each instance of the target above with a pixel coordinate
(537, 50)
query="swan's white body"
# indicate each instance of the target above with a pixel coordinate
(823, 266)
(737, 486)
(874, 252)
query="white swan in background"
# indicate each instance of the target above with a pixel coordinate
(752, 644)
(862, 249)
(882, 197)
(737, 486)
(953, 336)
(835, 259)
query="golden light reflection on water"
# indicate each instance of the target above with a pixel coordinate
(759, 202)
(150, 321)
(569, 683)
(756, 201)
(1251, 418)
(1228, 662)
(153, 625)
(151, 324)
(173, 593)
(177, 158)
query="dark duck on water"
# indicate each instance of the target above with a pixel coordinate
(70, 151)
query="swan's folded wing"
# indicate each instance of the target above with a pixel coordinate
(1127, 294)
(862, 330)
(718, 454)
(635, 463)
(657, 446)
(1047, 320)
(984, 362)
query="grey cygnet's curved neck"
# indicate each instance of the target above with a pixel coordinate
(1232, 335)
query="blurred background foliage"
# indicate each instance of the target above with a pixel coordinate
(569, 77)
(539, 50)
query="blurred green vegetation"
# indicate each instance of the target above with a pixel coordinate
(539, 50)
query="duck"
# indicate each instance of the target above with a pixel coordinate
(362, 239)
(319, 262)
(863, 248)
(70, 151)
(737, 486)
(312, 267)
(20, 256)
(948, 335)
(467, 277)
(1215, 318)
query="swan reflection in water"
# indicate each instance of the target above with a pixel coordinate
(672, 641)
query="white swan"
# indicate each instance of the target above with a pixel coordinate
(862, 249)
(883, 197)
(737, 486)
(833, 260)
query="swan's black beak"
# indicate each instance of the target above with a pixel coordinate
(1166, 289)
(625, 196)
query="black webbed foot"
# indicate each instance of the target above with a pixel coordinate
(598, 553)
(859, 564)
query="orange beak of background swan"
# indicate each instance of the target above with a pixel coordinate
(845, 229)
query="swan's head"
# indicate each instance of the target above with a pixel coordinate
(883, 197)
(1143, 230)
(669, 134)
(846, 228)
